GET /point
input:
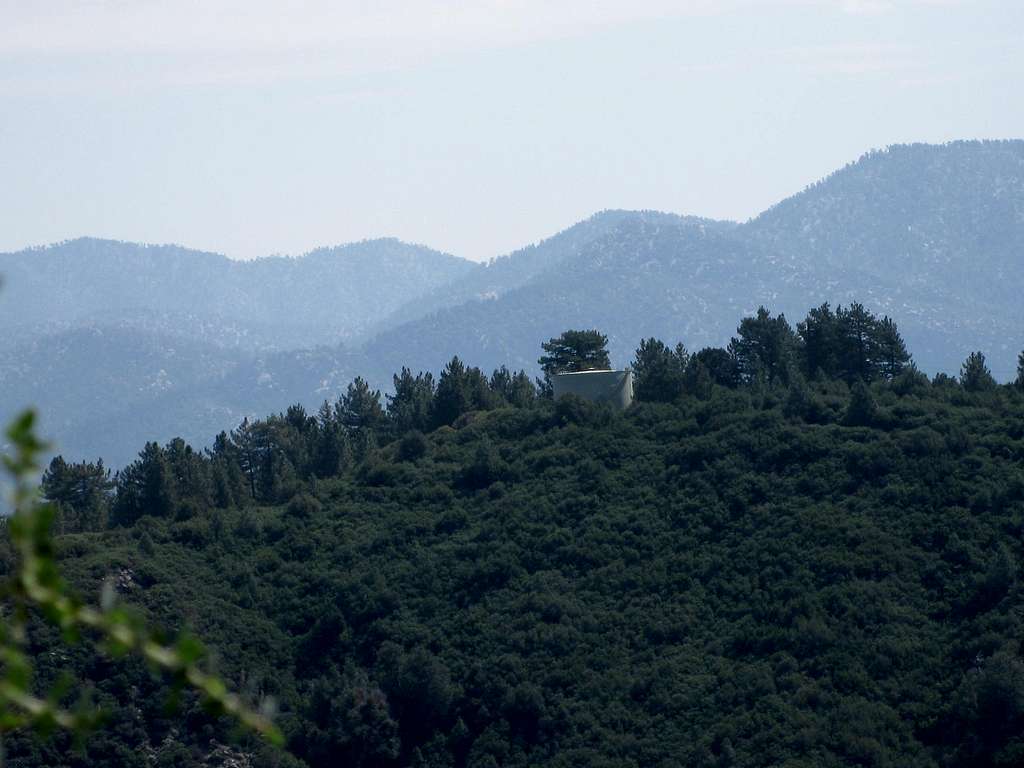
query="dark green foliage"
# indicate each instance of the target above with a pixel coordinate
(851, 343)
(516, 389)
(145, 487)
(81, 493)
(763, 347)
(711, 365)
(410, 405)
(1019, 381)
(861, 411)
(360, 407)
(303, 506)
(809, 573)
(819, 337)
(975, 375)
(413, 445)
(454, 396)
(892, 354)
(659, 372)
(575, 351)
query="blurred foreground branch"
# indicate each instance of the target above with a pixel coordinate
(37, 584)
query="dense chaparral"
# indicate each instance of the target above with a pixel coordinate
(794, 550)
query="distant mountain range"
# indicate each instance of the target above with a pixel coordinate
(328, 296)
(119, 343)
(931, 235)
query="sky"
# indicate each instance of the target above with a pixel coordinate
(253, 127)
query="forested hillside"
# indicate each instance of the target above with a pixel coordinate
(796, 550)
(186, 342)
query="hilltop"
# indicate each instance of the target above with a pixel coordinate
(760, 570)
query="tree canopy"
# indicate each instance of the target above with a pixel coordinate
(575, 351)
(810, 568)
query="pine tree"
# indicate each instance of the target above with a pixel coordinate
(145, 487)
(453, 397)
(718, 365)
(229, 483)
(892, 354)
(763, 346)
(481, 396)
(857, 343)
(501, 382)
(975, 375)
(659, 371)
(360, 409)
(409, 407)
(522, 393)
(331, 448)
(575, 351)
(81, 491)
(189, 472)
(249, 454)
(818, 347)
(1019, 382)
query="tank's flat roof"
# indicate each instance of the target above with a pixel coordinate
(579, 373)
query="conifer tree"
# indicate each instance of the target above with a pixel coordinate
(718, 365)
(249, 453)
(409, 407)
(81, 492)
(575, 351)
(228, 482)
(893, 357)
(522, 392)
(190, 474)
(330, 446)
(857, 340)
(145, 487)
(763, 346)
(975, 375)
(818, 347)
(453, 397)
(659, 371)
(360, 409)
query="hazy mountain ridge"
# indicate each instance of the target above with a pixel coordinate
(930, 235)
(839, 240)
(595, 286)
(326, 296)
(104, 392)
(934, 211)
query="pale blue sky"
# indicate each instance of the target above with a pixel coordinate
(260, 127)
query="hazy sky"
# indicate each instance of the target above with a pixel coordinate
(258, 127)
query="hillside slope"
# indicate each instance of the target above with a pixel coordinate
(105, 391)
(940, 221)
(712, 582)
(931, 235)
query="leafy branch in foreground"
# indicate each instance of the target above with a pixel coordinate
(37, 583)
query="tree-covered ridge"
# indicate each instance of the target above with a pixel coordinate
(928, 235)
(788, 552)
